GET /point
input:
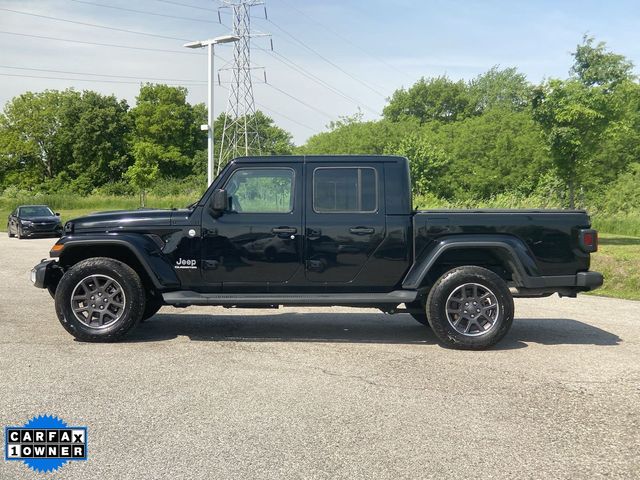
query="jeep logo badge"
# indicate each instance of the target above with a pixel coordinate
(184, 263)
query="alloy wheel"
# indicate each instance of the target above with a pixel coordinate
(98, 301)
(472, 309)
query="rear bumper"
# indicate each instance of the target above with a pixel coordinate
(46, 273)
(589, 280)
(565, 285)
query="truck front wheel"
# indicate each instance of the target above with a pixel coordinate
(99, 300)
(470, 308)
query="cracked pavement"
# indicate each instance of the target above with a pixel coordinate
(326, 393)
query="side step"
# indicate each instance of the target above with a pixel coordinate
(187, 297)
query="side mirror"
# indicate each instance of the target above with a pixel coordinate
(57, 214)
(219, 202)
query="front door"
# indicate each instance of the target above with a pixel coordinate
(345, 220)
(258, 240)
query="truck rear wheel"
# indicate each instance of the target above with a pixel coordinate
(470, 308)
(99, 300)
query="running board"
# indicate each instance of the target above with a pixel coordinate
(187, 297)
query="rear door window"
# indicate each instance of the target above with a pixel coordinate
(345, 190)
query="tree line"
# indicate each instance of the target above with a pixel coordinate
(84, 142)
(575, 141)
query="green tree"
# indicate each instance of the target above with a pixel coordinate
(63, 139)
(578, 113)
(573, 118)
(623, 195)
(162, 116)
(594, 65)
(496, 152)
(99, 148)
(354, 137)
(35, 139)
(144, 171)
(427, 163)
(438, 99)
(497, 88)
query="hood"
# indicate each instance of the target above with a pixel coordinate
(121, 220)
(48, 219)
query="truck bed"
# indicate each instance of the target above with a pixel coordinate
(550, 236)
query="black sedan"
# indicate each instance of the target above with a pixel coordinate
(33, 221)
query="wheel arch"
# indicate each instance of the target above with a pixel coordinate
(504, 255)
(141, 254)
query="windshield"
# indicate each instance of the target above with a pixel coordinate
(35, 211)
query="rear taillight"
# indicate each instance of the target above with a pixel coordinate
(589, 240)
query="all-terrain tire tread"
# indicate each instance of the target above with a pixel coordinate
(436, 304)
(129, 280)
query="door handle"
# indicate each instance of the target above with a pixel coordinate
(362, 230)
(284, 230)
(210, 264)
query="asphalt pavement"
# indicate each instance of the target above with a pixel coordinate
(325, 393)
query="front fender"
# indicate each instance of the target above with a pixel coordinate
(146, 250)
(511, 249)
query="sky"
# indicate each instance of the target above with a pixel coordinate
(330, 58)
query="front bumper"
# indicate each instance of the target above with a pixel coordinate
(46, 274)
(31, 231)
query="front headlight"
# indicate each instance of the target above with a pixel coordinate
(26, 223)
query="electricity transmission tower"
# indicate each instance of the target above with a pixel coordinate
(240, 134)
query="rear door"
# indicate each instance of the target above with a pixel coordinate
(345, 220)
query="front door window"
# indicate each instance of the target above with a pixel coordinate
(261, 190)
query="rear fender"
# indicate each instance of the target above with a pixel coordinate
(511, 250)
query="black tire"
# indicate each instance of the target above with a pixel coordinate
(130, 296)
(18, 232)
(446, 301)
(151, 308)
(9, 234)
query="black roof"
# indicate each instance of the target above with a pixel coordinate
(319, 158)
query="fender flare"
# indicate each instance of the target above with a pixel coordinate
(512, 250)
(148, 253)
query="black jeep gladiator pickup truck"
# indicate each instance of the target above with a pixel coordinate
(317, 230)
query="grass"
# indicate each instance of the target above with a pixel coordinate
(620, 223)
(618, 259)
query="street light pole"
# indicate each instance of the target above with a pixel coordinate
(209, 126)
(210, 154)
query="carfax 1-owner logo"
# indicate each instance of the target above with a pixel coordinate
(45, 443)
